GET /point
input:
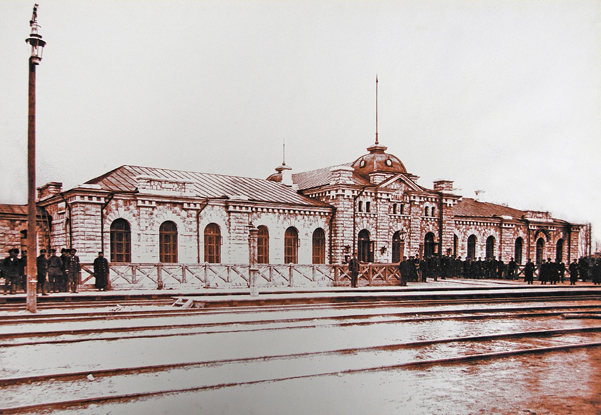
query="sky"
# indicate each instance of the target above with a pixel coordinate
(500, 96)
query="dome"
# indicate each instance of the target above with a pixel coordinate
(377, 161)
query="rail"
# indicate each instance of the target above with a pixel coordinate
(207, 275)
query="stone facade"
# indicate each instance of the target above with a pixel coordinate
(372, 206)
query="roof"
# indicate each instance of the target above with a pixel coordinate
(473, 208)
(206, 185)
(17, 210)
(322, 177)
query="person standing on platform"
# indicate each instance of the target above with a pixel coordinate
(42, 270)
(512, 268)
(11, 270)
(353, 267)
(529, 272)
(583, 268)
(561, 269)
(573, 268)
(62, 283)
(23, 271)
(55, 271)
(73, 271)
(423, 270)
(597, 272)
(405, 270)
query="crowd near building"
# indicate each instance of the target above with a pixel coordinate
(371, 206)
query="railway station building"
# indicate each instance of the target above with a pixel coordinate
(372, 206)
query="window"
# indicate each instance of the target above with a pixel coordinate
(291, 246)
(168, 242)
(559, 251)
(365, 252)
(429, 245)
(455, 244)
(367, 206)
(471, 247)
(398, 247)
(120, 241)
(426, 211)
(212, 244)
(360, 206)
(519, 244)
(394, 208)
(540, 250)
(433, 213)
(319, 246)
(263, 245)
(402, 208)
(490, 247)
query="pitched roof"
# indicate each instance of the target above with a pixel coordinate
(16, 210)
(473, 208)
(321, 177)
(206, 185)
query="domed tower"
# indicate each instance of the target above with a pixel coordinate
(377, 165)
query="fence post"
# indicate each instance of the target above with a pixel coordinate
(159, 277)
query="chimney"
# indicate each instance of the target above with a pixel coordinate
(342, 175)
(443, 186)
(49, 189)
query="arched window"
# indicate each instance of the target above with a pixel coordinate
(212, 243)
(120, 241)
(291, 246)
(426, 211)
(540, 250)
(471, 247)
(455, 244)
(433, 212)
(365, 251)
(263, 245)
(319, 246)
(519, 247)
(429, 245)
(490, 247)
(168, 242)
(394, 207)
(398, 247)
(559, 251)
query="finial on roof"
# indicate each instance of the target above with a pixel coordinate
(377, 109)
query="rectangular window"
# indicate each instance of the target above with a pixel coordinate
(367, 206)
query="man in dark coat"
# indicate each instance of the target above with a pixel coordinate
(423, 269)
(73, 271)
(573, 268)
(353, 267)
(597, 272)
(23, 271)
(512, 268)
(529, 272)
(583, 268)
(11, 270)
(405, 270)
(561, 269)
(55, 271)
(42, 269)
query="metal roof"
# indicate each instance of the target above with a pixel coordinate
(207, 185)
(322, 177)
(467, 207)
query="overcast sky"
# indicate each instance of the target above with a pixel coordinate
(500, 96)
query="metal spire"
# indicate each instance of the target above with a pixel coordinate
(283, 151)
(377, 143)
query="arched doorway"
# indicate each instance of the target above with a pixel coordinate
(365, 251)
(559, 251)
(471, 247)
(429, 245)
(490, 247)
(398, 247)
(540, 250)
(519, 247)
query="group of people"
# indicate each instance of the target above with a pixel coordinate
(416, 268)
(54, 273)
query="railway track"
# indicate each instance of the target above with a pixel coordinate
(134, 356)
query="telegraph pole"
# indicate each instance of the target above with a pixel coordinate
(37, 47)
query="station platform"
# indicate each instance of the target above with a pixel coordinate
(447, 289)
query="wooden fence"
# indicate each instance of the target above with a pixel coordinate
(205, 275)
